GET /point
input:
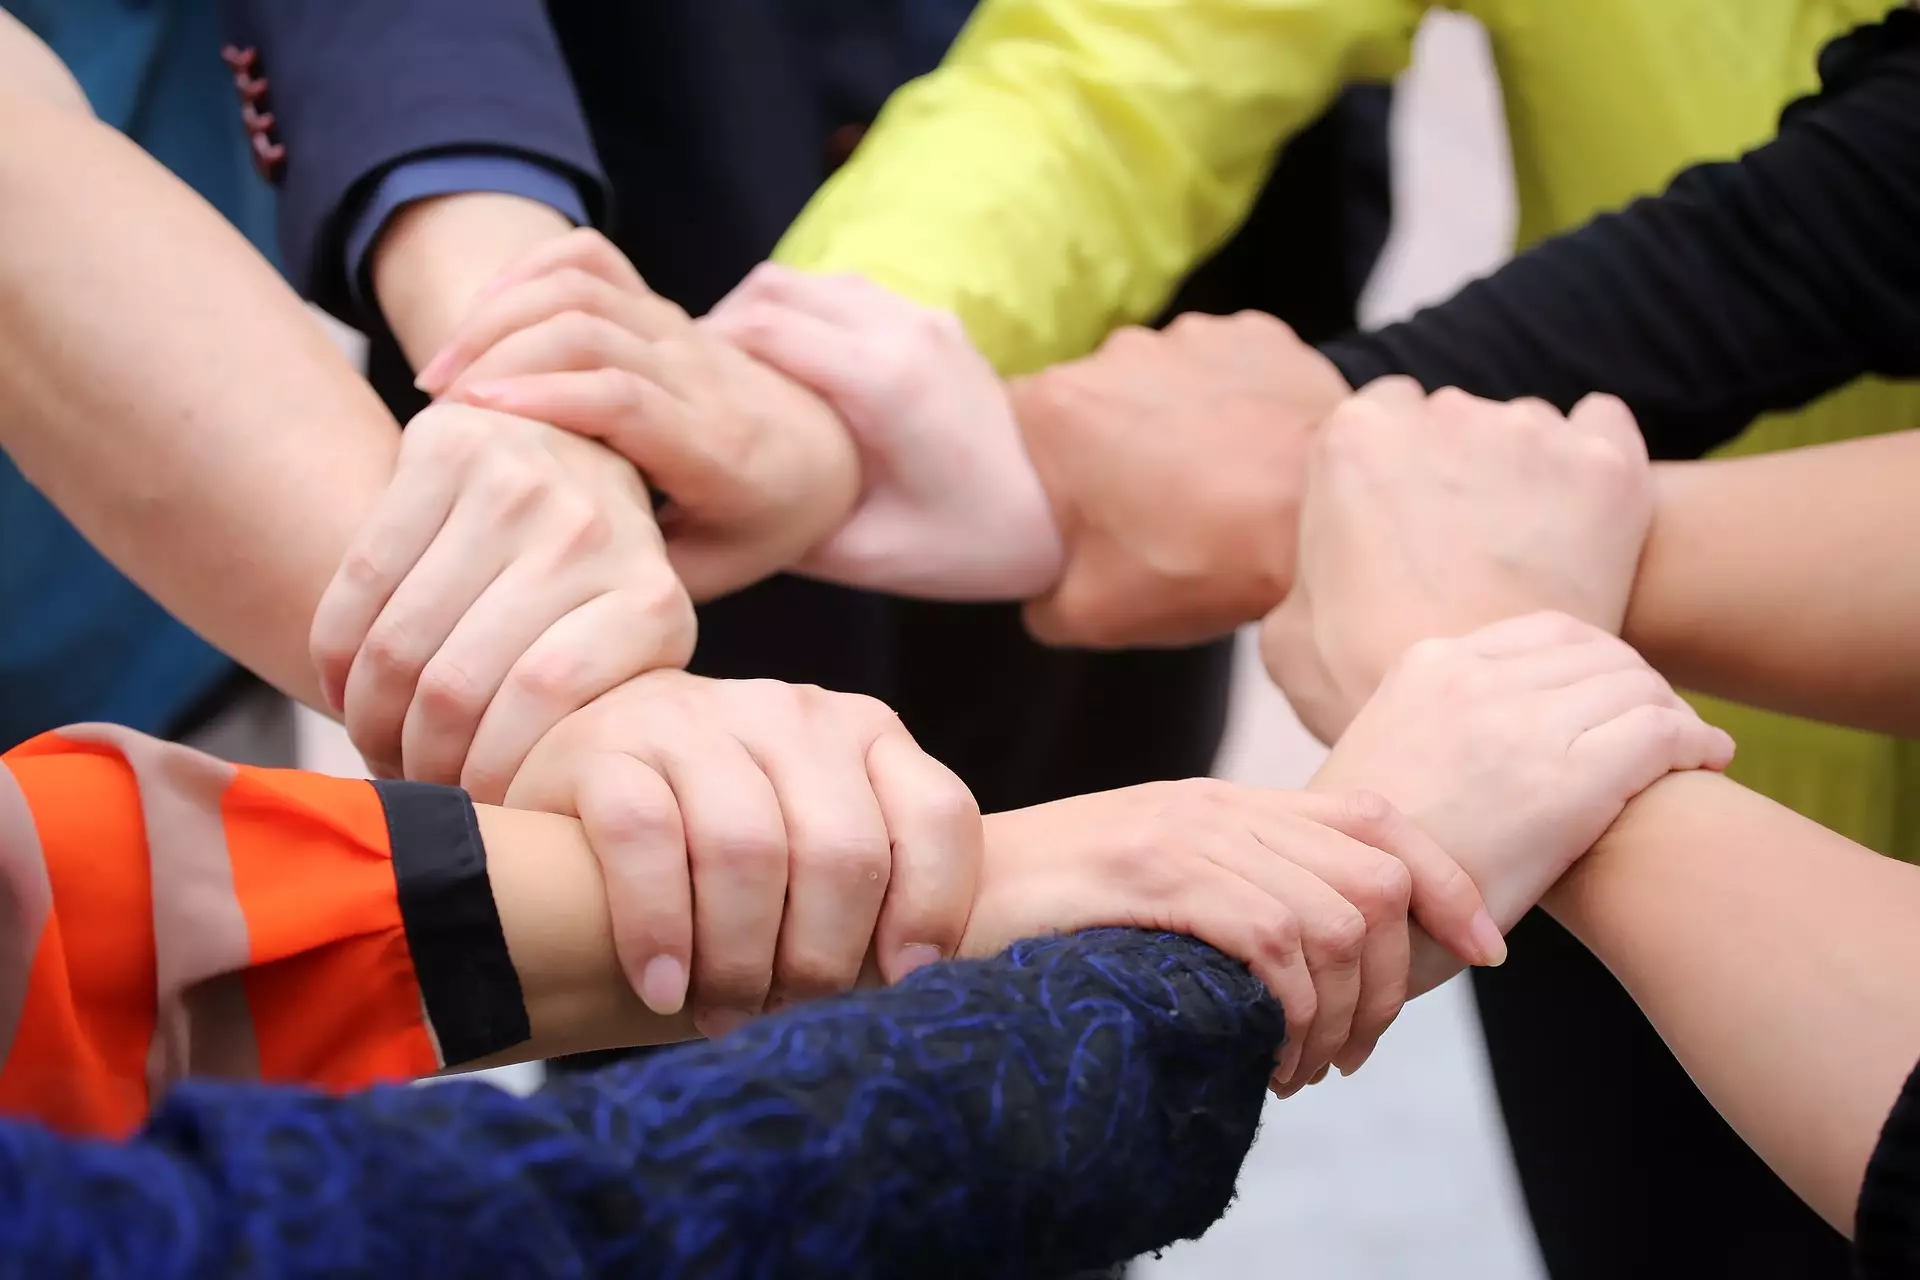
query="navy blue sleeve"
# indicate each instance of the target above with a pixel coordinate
(425, 177)
(1746, 288)
(1074, 1103)
(356, 87)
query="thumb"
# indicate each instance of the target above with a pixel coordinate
(1631, 752)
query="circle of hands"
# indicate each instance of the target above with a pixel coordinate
(1442, 581)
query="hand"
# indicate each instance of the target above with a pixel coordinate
(951, 508)
(1517, 745)
(1175, 461)
(1433, 515)
(757, 468)
(1311, 892)
(510, 575)
(759, 839)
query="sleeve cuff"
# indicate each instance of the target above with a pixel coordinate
(1887, 1227)
(424, 177)
(467, 980)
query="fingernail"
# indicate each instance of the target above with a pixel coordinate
(1318, 1076)
(720, 1022)
(486, 393)
(915, 955)
(1488, 942)
(433, 370)
(331, 691)
(663, 985)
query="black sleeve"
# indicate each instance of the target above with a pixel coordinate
(1887, 1228)
(1749, 287)
(354, 87)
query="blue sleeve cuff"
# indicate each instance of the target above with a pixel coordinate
(424, 177)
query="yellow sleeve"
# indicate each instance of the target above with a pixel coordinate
(1072, 160)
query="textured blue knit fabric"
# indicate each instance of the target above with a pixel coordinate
(1074, 1103)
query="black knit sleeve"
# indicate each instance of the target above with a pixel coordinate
(1887, 1228)
(1748, 287)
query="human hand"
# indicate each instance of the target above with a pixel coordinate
(510, 574)
(950, 507)
(760, 839)
(1175, 461)
(757, 469)
(1310, 891)
(1516, 746)
(1433, 515)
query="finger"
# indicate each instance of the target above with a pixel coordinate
(632, 824)
(443, 705)
(1441, 896)
(1609, 419)
(1528, 632)
(633, 415)
(1332, 934)
(1395, 392)
(839, 863)
(842, 301)
(935, 828)
(1377, 885)
(825, 359)
(384, 680)
(568, 290)
(1633, 751)
(1592, 702)
(1357, 854)
(404, 523)
(737, 849)
(1235, 915)
(756, 286)
(604, 642)
(570, 341)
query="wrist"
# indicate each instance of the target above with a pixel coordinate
(435, 256)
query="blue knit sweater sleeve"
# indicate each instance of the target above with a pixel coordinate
(1073, 1103)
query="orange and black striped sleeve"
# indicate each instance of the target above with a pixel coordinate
(165, 914)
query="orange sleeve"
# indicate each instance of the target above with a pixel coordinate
(164, 914)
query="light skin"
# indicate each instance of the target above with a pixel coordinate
(1777, 959)
(236, 528)
(239, 529)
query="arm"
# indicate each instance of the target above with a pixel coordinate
(1072, 160)
(168, 914)
(30, 69)
(1748, 287)
(1778, 960)
(183, 427)
(1786, 581)
(1005, 1146)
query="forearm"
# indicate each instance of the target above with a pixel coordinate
(171, 396)
(434, 257)
(28, 68)
(1778, 960)
(552, 901)
(1788, 581)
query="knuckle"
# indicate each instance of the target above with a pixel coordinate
(562, 675)
(1342, 936)
(1371, 816)
(445, 692)
(583, 529)
(1385, 890)
(510, 487)
(390, 649)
